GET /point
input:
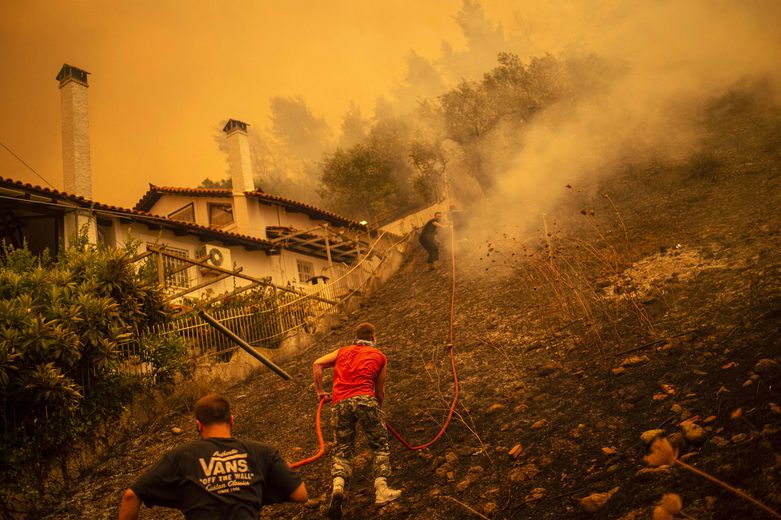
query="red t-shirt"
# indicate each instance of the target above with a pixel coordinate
(356, 370)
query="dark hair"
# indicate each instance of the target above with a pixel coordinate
(365, 331)
(213, 408)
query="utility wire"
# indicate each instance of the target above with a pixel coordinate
(27, 165)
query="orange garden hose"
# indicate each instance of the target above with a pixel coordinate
(452, 355)
(452, 364)
(319, 439)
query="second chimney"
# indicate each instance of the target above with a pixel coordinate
(240, 166)
(239, 161)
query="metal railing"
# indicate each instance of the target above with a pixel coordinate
(266, 320)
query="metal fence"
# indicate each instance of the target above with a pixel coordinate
(271, 315)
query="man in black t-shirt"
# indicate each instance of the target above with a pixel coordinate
(217, 477)
(428, 238)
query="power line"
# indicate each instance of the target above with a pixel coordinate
(27, 165)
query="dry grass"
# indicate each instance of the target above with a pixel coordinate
(567, 276)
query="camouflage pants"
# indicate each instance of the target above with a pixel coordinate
(345, 414)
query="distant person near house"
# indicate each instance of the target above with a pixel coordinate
(428, 238)
(216, 477)
(358, 391)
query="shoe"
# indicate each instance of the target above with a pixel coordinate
(384, 494)
(431, 267)
(337, 496)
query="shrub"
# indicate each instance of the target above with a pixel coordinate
(168, 356)
(61, 323)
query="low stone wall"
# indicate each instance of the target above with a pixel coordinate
(414, 220)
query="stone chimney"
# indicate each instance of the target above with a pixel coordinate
(239, 161)
(240, 167)
(76, 167)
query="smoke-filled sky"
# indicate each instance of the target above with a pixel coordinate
(669, 59)
(166, 73)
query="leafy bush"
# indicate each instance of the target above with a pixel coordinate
(61, 324)
(168, 355)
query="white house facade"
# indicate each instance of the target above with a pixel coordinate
(244, 228)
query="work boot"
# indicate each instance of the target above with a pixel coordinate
(384, 494)
(337, 495)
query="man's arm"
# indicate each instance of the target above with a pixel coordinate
(130, 505)
(327, 361)
(379, 385)
(300, 494)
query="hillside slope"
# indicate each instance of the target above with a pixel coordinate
(655, 309)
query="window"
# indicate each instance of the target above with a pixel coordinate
(176, 276)
(220, 215)
(185, 213)
(306, 270)
(106, 232)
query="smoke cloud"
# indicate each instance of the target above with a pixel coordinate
(668, 60)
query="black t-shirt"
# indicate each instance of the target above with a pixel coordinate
(218, 478)
(429, 230)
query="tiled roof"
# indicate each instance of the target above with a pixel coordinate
(137, 214)
(154, 193)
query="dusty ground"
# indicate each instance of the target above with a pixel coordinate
(686, 302)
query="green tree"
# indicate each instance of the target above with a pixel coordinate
(430, 162)
(468, 112)
(354, 127)
(371, 179)
(224, 184)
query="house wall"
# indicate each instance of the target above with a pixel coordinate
(169, 204)
(268, 216)
(282, 268)
(257, 264)
(290, 266)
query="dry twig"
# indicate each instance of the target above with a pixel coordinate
(662, 453)
(468, 508)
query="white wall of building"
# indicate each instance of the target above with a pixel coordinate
(283, 268)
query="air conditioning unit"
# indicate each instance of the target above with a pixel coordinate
(215, 256)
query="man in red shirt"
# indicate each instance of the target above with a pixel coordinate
(358, 391)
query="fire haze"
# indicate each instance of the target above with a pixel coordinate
(665, 61)
(164, 75)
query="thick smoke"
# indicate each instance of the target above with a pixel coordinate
(427, 78)
(285, 154)
(670, 59)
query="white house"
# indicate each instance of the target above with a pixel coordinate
(263, 235)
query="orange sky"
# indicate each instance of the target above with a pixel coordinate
(165, 73)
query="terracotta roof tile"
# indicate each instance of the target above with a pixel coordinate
(137, 213)
(154, 193)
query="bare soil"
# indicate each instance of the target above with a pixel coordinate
(685, 300)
